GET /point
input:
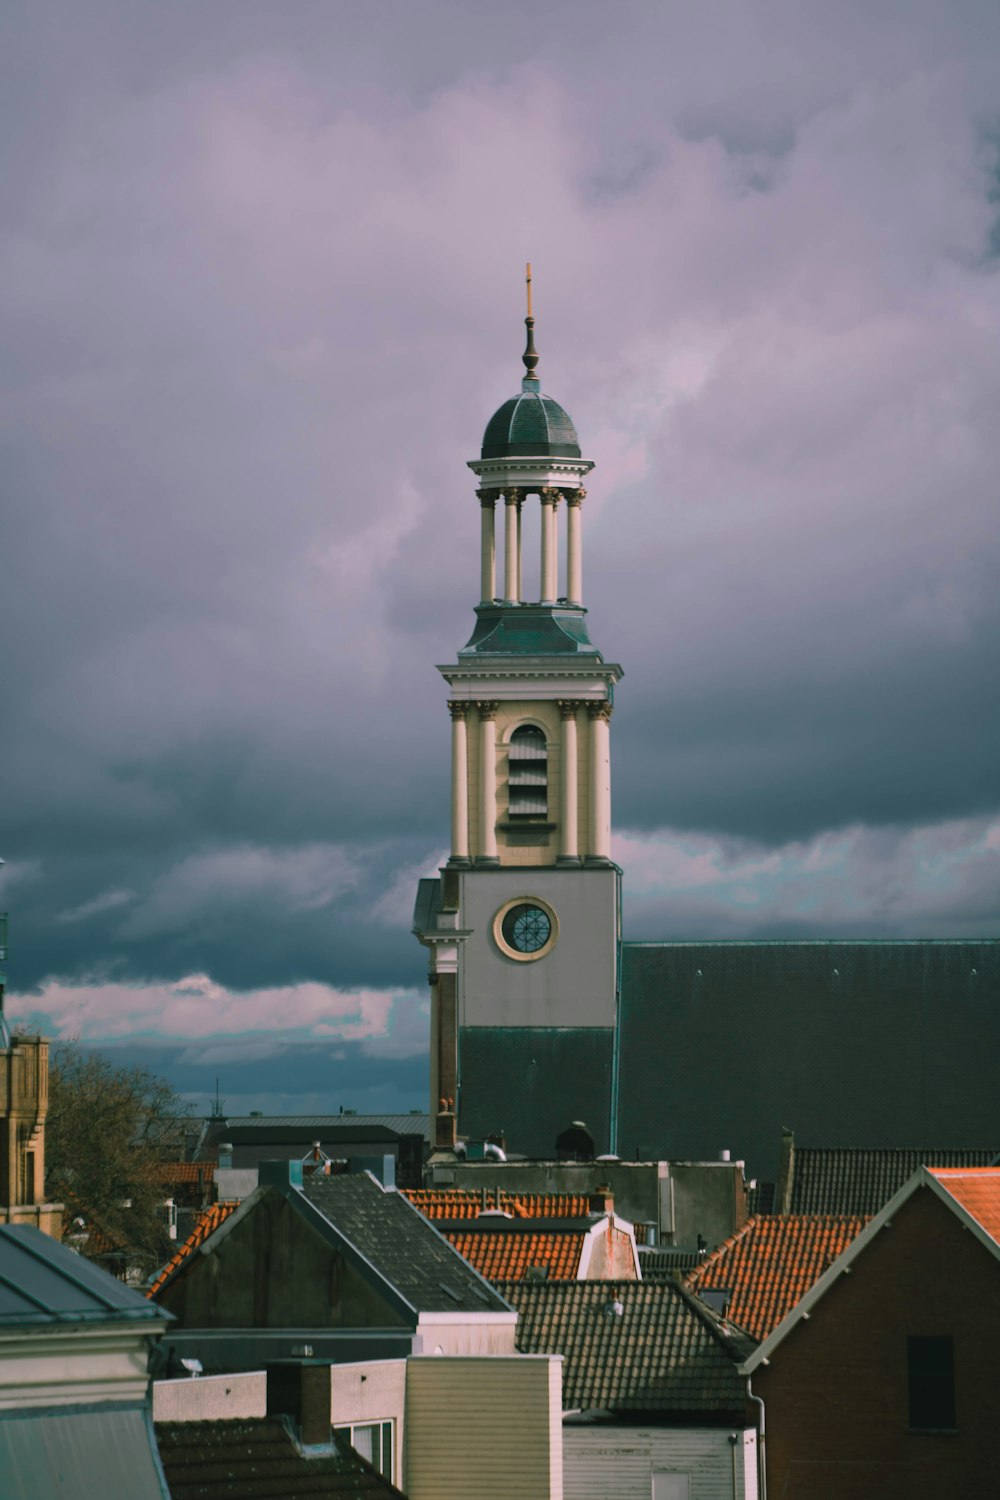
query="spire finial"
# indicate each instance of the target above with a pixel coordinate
(529, 356)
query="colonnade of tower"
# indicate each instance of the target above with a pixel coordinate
(512, 499)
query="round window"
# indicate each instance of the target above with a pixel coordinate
(525, 928)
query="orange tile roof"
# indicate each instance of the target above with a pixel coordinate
(213, 1216)
(467, 1203)
(507, 1257)
(769, 1264)
(183, 1171)
(977, 1189)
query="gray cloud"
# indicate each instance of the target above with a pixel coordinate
(259, 288)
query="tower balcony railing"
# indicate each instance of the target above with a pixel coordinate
(3, 936)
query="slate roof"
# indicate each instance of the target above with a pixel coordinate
(43, 1282)
(257, 1458)
(861, 1179)
(467, 1203)
(977, 1189)
(401, 1244)
(663, 1352)
(210, 1219)
(507, 1255)
(530, 425)
(771, 1262)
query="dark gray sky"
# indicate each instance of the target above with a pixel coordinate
(260, 285)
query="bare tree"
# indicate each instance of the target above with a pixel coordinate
(108, 1129)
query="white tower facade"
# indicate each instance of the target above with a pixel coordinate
(523, 925)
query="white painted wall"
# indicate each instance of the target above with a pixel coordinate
(603, 1460)
(78, 1363)
(210, 1398)
(463, 1333)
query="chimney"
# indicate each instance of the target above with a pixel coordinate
(302, 1393)
(601, 1200)
(445, 1138)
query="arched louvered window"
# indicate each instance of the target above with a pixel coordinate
(528, 773)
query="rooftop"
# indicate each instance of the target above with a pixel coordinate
(468, 1203)
(861, 1179)
(401, 1244)
(977, 1189)
(631, 1346)
(256, 1459)
(771, 1262)
(43, 1282)
(502, 1254)
(210, 1219)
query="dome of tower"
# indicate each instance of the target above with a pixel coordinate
(530, 425)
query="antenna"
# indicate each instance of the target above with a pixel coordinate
(529, 356)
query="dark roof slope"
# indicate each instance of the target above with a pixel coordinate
(854, 1024)
(257, 1458)
(663, 1351)
(401, 1244)
(42, 1281)
(862, 1179)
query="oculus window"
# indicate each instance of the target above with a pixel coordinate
(525, 928)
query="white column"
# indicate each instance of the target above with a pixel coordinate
(574, 551)
(520, 556)
(459, 782)
(487, 782)
(512, 547)
(488, 569)
(550, 559)
(599, 843)
(569, 845)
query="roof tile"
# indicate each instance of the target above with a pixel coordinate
(862, 1179)
(257, 1458)
(503, 1256)
(771, 1262)
(630, 1345)
(977, 1189)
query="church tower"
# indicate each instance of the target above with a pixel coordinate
(523, 924)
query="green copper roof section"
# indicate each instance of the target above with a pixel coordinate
(530, 630)
(530, 425)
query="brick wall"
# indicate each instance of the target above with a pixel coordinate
(836, 1390)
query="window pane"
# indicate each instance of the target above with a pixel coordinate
(931, 1372)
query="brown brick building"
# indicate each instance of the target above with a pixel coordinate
(883, 1379)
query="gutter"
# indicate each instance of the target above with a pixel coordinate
(761, 1441)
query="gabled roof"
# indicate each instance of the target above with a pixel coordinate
(401, 1244)
(972, 1196)
(43, 1282)
(256, 1458)
(378, 1229)
(631, 1346)
(210, 1219)
(862, 1179)
(977, 1191)
(772, 1261)
(508, 1256)
(467, 1203)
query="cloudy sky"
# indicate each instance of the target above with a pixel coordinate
(260, 287)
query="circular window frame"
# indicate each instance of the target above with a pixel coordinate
(501, 941)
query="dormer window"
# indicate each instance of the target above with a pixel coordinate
(528, 773)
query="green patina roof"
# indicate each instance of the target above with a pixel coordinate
(530, 425)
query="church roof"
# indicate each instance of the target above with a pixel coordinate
(530, 425)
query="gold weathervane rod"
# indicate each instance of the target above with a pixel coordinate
(529, 356)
